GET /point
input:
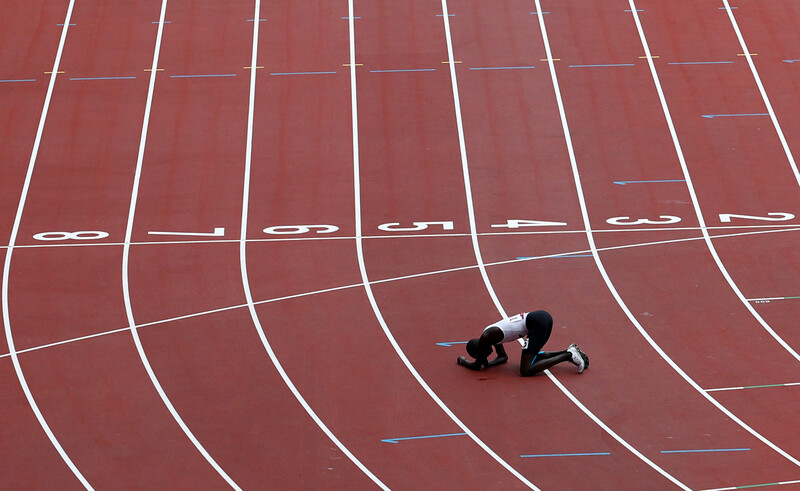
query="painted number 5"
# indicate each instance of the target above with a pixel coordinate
(395, 227)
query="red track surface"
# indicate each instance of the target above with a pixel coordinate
(323, 382)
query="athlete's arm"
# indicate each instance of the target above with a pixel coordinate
(472, 365)
(502, 357)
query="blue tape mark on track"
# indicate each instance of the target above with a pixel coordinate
(565, 454)
(397, 440)
(61, 25)
(301, 73)
(404, 70)
(699, 63)
(19, 80)
(253, 20)
(203, 76)
(708, 450)
(501, 68)
(165, 22)
(102, 78)
(451, 343)
(790, 61)
(624, 183)
(522, 258)
(712, 116)
(537, 13)
(608, 65)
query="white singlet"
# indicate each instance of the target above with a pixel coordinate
(513, 327)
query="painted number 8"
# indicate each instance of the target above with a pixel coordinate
(80, 235)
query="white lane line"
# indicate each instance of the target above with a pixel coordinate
(251, 305)
(749, 57)
(9, 253)
(695, 202)
(365, 278)
(585, 216)
(711, 248)
(126, 255)
(375, 282)
(780, 228)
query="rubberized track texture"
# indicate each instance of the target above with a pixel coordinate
(244, 243)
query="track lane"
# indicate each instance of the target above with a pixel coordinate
(218, 379)
(588, 15)
(73, 408)
(405, 407)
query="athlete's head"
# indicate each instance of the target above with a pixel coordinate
(473, 348)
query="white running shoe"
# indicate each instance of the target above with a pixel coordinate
(579, 358)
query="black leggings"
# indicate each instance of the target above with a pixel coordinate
(540, 325)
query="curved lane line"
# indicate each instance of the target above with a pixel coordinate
(125, 262)
(749, 57)
(251, 305)
(476, 246)
(363, 270)
(9, 252)
(601, 267)
(693, 195)
(710, 245)
(375, 282)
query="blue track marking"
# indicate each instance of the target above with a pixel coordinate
(565, 454)
(699, 63)
(451, 343)
(253, 20)
(790, 61)
(560, 256)
(301, 73)
(397, 440)
(712, 116)
(596, 66)
(624, 183)
(165, 22)
(537, 13)
(202, 76)
(404, 70)
(19, 80)
(502, 68)
(102, 78)
(708, 450)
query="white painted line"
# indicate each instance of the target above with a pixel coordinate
(126, 255)
(711, 249)
(243, 265)
(362, 266)
(374, 282)
(9, 253)
(762, 91)
(590, 239)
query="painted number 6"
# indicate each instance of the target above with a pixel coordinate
(300, 229)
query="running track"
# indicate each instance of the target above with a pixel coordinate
(244, 242)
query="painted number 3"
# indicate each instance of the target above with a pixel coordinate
(80, 235)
